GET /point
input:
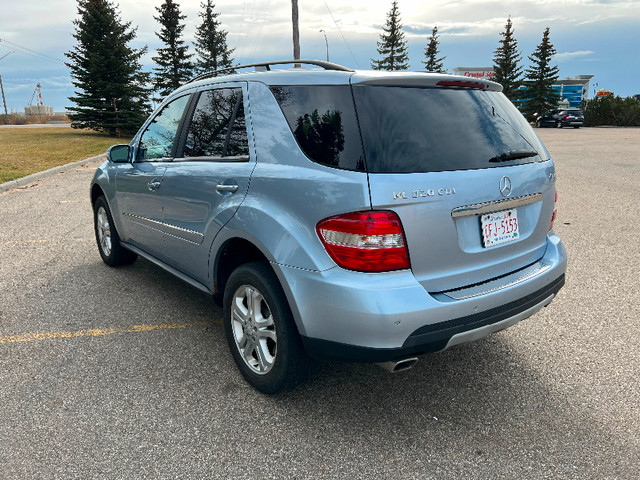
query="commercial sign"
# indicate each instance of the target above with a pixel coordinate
(475, 72)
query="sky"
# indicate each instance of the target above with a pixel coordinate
(592, 37)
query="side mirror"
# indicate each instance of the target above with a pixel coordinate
(118, 153)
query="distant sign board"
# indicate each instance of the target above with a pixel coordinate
(475, 72)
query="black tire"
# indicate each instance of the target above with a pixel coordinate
(107, 238)
(576, 126)
(538, 124)
(274, 358)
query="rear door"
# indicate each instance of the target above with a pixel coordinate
(204, 186)
(444, 157)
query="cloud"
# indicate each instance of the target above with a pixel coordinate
(572, 55)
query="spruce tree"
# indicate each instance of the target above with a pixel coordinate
(433, 63)
(111, 96)
(392, 45)
(540, 97)
(505, 64)
(211, 41)
(174, 67)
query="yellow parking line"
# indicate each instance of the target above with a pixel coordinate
(95, 332)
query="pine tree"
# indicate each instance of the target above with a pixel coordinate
(505, 64)
(174, 67)
(211, 42)
(111, 96)
(433, 63)
(540, 97)
(392, 45)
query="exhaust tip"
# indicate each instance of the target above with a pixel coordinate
(398, 365)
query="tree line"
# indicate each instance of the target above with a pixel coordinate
(538, 96)
(113, 92)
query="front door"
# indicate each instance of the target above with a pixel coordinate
(138, 183)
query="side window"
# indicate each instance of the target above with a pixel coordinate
(158, 139)
(218, 127)
(323, 121)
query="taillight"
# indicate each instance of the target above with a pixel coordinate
(365, 241)
(566, 117)
(555, 211)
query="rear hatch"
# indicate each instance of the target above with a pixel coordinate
(446, 155)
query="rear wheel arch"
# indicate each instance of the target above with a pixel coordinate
(233, 253)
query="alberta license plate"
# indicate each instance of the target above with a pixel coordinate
(499, 227)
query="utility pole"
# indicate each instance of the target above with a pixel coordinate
(4, 102)
(296, 32)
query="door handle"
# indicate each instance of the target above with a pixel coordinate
(153, 185)
(226, 188)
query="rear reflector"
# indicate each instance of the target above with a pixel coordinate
(365, 241)
(555, 211)
(460, 83)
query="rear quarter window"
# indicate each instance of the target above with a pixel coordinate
(323, 121)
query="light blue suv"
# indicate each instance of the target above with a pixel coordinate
(339, 215)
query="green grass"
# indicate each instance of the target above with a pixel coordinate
(29, 150)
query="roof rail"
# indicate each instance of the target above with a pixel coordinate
(267, 66)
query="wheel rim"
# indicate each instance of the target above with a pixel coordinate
(104, 231)
(253, 329)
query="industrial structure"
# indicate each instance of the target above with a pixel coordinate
(39, 108)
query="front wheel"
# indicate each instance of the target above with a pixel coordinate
(261, 332)
(112, 253)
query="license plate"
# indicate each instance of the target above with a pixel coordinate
(499, 227)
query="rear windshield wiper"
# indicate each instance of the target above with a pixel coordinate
(513, 155)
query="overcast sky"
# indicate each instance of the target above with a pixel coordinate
(598, 37)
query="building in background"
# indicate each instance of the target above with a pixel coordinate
(572, 90)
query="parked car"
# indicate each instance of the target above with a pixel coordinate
(339, 215)
(561, 118)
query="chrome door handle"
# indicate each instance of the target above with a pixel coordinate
(227, 188)
(154, 185)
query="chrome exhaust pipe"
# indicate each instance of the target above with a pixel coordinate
(398, 365)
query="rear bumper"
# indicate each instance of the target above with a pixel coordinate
(352, 316)
(440, 336)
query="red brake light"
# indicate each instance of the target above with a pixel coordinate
(365, 241)
(460, 83)
(566, 117)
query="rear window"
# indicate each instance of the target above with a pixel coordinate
(420, 129)
(323, 121)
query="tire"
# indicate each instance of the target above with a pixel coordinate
(265, 344)
(538, 124)
(576, 126)
(107, 238)
(559, 124)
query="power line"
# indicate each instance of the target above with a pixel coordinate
(344, 39)
(28, 51)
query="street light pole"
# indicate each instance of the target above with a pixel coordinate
(326, 43)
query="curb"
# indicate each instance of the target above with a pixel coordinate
(34, 177)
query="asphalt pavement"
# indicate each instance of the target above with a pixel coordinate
(124, 373)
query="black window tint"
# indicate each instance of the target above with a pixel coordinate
(323, 120)
(418, 129)
(218, 126)
(158, 139)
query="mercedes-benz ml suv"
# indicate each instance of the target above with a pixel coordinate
(337, 214)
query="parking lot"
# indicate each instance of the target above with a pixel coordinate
(124, 373)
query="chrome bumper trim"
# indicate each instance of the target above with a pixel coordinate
(488, 207)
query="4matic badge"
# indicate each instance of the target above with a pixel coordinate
(431, 192)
